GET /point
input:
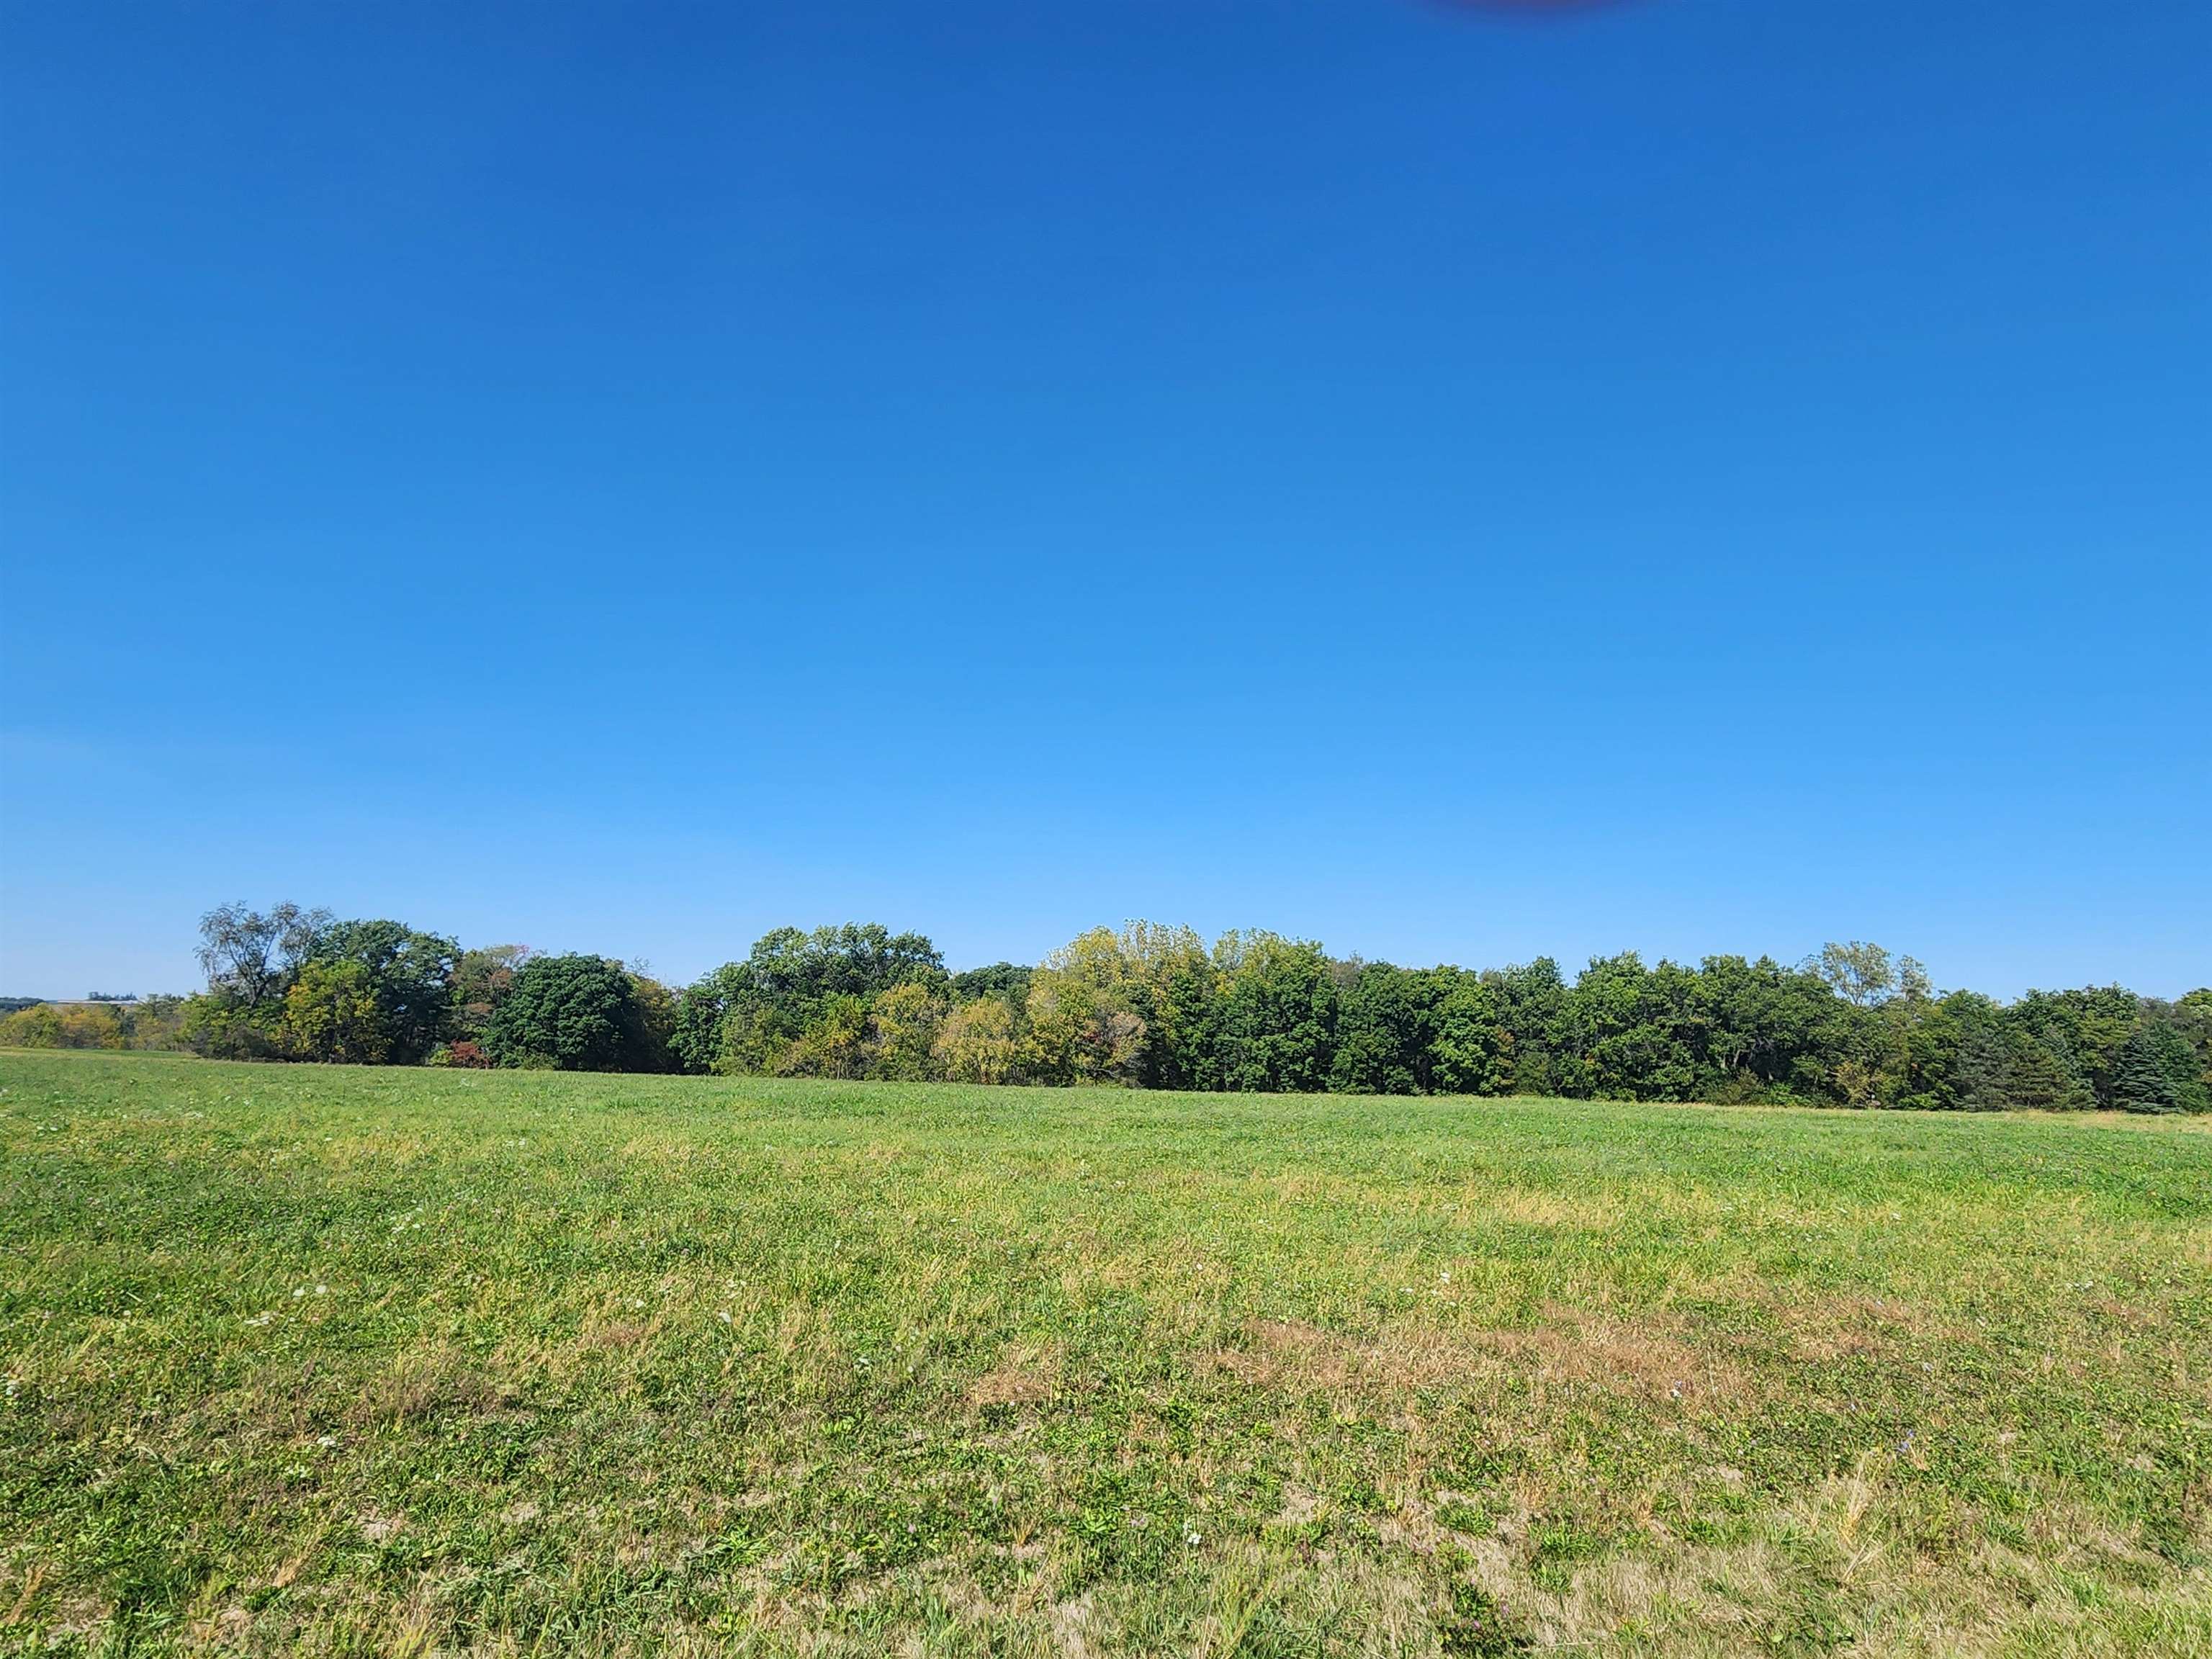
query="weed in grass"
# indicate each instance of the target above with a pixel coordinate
(1477, 1627)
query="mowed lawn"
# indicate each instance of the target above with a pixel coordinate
(322, 1360)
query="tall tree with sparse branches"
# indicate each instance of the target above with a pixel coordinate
(255, 956)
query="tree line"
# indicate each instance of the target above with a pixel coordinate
(1156, 1007)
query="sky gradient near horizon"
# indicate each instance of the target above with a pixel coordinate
(1689, 476)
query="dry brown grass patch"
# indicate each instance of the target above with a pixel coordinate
(425, 1383)
(610, 1335)
(1639, 1358)
(1027, 1374)
(1286, 1351)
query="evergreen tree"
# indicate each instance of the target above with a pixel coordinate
(2157, 1071)
(2041, 1081)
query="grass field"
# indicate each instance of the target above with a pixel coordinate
(341, 1361)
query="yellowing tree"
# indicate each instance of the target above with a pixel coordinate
(975, 1043)
(835, 1045)
(903, 1029)
(331, 1013)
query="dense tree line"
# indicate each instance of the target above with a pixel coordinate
(1156, 1007)
(98, 1022)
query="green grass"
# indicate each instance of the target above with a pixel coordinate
(341, 1361)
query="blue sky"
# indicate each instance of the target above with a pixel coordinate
(1688, 476)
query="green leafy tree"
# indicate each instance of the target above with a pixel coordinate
(409, 978)
(1530, 1001)
(654, 1038)
(1009, 982)
(250, 958)
(1277, 1014)
(1185, 1016)
(801, 970)
(1468, 1050)
(1622, 1035)
(481, 980)
(572, 1013)
(747, 1015)
(1386, 1031)
(333, 1013)
(221, 1026)
(702, 1040)
(1862, 974)
(1761, 1030)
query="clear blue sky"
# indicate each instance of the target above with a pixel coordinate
(1689, 475)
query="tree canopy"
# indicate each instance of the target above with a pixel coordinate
(572, 1013)
(1152, 1006)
